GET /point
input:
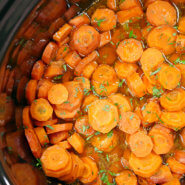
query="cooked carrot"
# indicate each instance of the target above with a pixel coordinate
(162, 176)
(105, 38)
(62, 127)
(90, 172)
(146, 166)
(129, 122)
(75, 95)
(83, 127)
(104, 19)
(162, 38)
(169, 77)
(173, 120)
(89, 69)
(176, 166)
(27, 122)
(181, 24)
(81, 167)
(130, 50)
(55, 68)
(72, 11)
(112, 4)
(62, 52)
(41, 110)
(180, 44)
(161, 13)
(80, 20)
(49, 52)
(44, 123)
(162, 138)
(33, 142)
(62, 33)
(64, 41)
(106, 123)
(145, 31)
(41, 135)
(128, 4)
(181, 67)
(136, 85)
(173, 181)
(87, 101)
(68, 76)
(72, 59)
(38, 70)
(31, 90)
(180, 156)
(126, 177)
(5, 79)
(57, 94)
(85, 83)
(55, 138)
(43, 88)
(55, 25)
(107, 55)
(65, 145)
(140, 144)
(118, 35)
(182, 137)
(77, 142)
(133, 14)
(85, 39)
(124, 70)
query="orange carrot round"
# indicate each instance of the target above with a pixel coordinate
(42, 136)
(55, 138)
(59, 128)
(173, 181)
(180, 43)
(182, 137)
(181, 24)
(80, 20)
(85, 83)
(38, 70)
(176, 166)
(180, 156)
(27, 122)
(64, 144)
(31, 90)
(44, 123)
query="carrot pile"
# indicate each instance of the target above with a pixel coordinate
(107, 97)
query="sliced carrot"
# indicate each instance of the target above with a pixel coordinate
(77, 142)
(85, 83)
(89, 69)
(180, 44)
(41, 135)
(128, 4)
(49, 52)
(107, 55)
(72, 11)
(162, 38)
(68, 76)
(106, 123)
(118, 35)
(55, 68)
(182, 137)
(112, 4)
(173, 120)
(55, 138)
(31, 89)
(132, 14)
(72, 59)
(124, 70)
(64, 41)
(105, 38)
(43, 88)
(87, 101)
(27, 122)
(63, 127)
(62, 33)
(145, 31)
(38, 70)
(41, 110)
(180, 156)
(161, 13)
(176, 166)
(104, 19)
(136, 85)
(82, 126)
(126, 177)
(80, 20)
(181, 67)
(33, 142)
(169, 77)
(44, 123)
(162, 176)
(85, 39)
(90, 172)
(181, 24)
(106, 142)
(130, 50)
(173, 181)
(65, 145)
(145, 166)
(62, 52)
(162, 138)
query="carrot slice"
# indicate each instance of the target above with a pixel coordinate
(57, 94)
(72, 59)
(180, 156)
(27, 122)
(112, 4)
(182, 137)
(59, 128)
(181, 67)
(89, 69)
(105, 38)
(62, 52)
(162, 38)
(97, 121)
(44, 123)
(55, 138)
(181, 24)
(80, 20)
(180, 44)
(41, 110)
(65, 145)
(129, 122)
(173, 120)
(104, 19)
(90, 172)
(124, 70)
(82, 126)
(33, 142)
(140, 144)
(161, 13)
(87, 101)
(85, 83)
(31, 90)
(85, 39)
(128, 4)
(130, 50)
(145, 31)
(176, 166)
(145, 166)
(49, 52)
(126, 177)
(169, 77)
(38, 70)
(77, 142)
(173, 181)
(64, 41)
(42, 136)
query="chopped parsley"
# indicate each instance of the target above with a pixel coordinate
(50, 127)
(99, 21)
(132, 35)
(110, 134)
(121, 83)
(155, 72)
